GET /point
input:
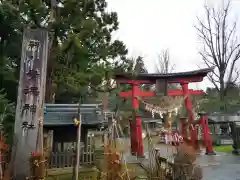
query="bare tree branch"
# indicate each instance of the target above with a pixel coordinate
(220, 47)
(213, 80)
(163, 65)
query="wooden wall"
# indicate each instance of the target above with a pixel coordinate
(66, 135)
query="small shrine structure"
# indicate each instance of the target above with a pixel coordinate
(233, 120)
(161, 81)
(58, 118)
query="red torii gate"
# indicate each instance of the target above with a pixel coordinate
(182, 78)
(175, 92)
(135, 146)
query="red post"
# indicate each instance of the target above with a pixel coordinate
(136, 131)
(140, 152)
(132, 138)
(135, 105)
(183, 127)
(206, 135)
(188, 105)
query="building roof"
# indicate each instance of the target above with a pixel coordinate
(63, 114)
(168, 76)
(218, 118)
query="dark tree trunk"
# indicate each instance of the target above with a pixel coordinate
(50, 89)
(222, 93)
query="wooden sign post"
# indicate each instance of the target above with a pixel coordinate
(31, 94)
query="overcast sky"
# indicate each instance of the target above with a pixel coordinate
(148, 26)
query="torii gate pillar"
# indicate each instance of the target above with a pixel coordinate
(188, 105)
(136, 123)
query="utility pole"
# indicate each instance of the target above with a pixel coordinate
(78, 123)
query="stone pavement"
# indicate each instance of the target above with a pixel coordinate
(222, 172)
(222, 166)
(228, 167)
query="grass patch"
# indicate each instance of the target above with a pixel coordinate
(226, 149)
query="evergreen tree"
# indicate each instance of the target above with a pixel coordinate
(82, 52)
